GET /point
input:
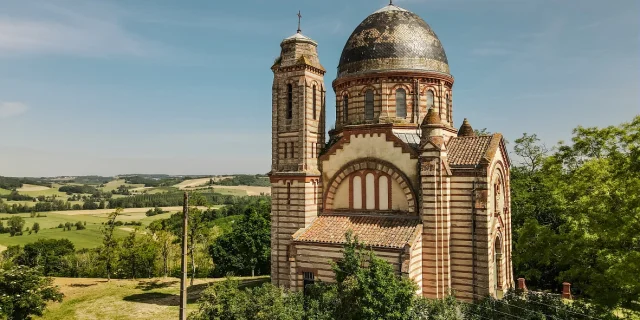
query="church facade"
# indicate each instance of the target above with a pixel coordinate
(430, 199)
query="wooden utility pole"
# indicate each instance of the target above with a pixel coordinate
(183, 281)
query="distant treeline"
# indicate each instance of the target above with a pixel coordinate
(15, 183)
(69, 189)
(153, 181)
(166, 200)
(244, 180)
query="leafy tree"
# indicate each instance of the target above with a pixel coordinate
(24, 292)
(247, 248)
(109, 247)
(372, 292)
(15, 225)
(80, 226)
(575, 214)
(47, 254)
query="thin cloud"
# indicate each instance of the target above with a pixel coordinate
(70, 30)
(12, 109)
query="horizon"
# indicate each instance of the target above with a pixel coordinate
(98, 88)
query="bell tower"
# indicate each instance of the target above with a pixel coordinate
(298, 126)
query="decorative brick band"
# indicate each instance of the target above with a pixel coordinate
(369, 130)
(370, 164)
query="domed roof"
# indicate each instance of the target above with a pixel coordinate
(392, 38)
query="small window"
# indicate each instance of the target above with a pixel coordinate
(291, 150)
(314, 102)
(429, 99)
(288, 192)
(368, 105)
(308, 280)
(449, 108)
(345, 108)
(401, 103)
(286, 152)
(289, 101)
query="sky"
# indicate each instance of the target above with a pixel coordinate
(184, 87)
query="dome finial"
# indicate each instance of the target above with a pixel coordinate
(299, 18)
(390, 2)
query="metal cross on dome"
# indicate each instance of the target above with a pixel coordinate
(299, 18)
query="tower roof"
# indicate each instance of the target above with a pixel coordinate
(466, 130)
(392, 38)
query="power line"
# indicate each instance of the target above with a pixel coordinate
(540, 303)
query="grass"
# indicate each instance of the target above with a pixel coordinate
(114, 184)
(88, 238)
(91, 237)
(148, 299)
(4, 192)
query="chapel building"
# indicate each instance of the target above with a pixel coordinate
(430, 199)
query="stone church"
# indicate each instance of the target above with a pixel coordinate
(430, 199)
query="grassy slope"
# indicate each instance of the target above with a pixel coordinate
(4, 191)
(126, 299)
(87, 238)
(113, 185)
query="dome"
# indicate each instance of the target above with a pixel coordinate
(392, 39)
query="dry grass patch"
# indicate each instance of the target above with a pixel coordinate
(31, 187)
(151, 299)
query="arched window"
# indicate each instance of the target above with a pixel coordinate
(401, 103)
(497, 263)
(370, 190)
(383, 192)
(446, 101)
(449, 111)
(314, 102)
(289, 101)
(429, 99)
(345, 108)
(357, 192)
(368, 105)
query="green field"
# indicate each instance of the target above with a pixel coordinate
(4, 191)
(88, 238)
(127, 299)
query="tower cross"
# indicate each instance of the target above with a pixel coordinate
(299, 18)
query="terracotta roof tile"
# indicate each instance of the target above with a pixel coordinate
(377, 231)
(467, 151)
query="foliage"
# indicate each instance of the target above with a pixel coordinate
(167, 199)
(226, 301)
(15, 225)
(69, 189)
(534, 306)
(247, 248)
(109, 243)
(24, 292)
(575, 214)
(154, 211)
(244, 180)
(47, 254)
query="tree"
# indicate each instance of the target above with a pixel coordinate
(165, 241)
(46, 253)
(36, 227)
(80, 225)
(575, 214)
(109, 248)
(15, 225)
(24, 292)
(247, 248)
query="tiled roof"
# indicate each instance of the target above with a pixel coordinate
(467, 151)
(377, 231)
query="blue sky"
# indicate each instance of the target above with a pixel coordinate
(183, 87)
